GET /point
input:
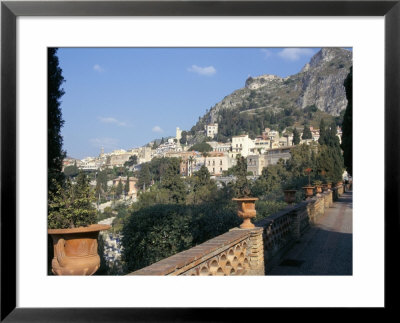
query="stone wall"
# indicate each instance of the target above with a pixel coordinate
(248, 251)
(237, 252)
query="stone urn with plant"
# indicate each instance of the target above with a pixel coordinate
(72, 225)
(289, 192)
(246, 203)
(308, 189)
(318, 186)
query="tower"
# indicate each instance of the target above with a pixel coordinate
(178, 134)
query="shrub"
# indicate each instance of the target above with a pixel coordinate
(71, 206)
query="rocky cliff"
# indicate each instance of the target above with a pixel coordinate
(319, 83)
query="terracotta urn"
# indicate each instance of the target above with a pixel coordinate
(246, 210)
(290, 196)
(338, 184)
(318, 188)
(75, 250)
(309, 190)
(329, 185)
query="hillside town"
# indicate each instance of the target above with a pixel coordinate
(266, 149)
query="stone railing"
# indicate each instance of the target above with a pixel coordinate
(247, 251)
(237, 252)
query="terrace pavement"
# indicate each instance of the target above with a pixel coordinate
(326, 248)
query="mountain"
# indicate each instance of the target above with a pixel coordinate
(317, 88)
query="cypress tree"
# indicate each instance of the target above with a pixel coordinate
(144, 177)
(296, 137)
(119, 188)
(347, 126)
(306, 133)
(322, 132)
(126, 188)
(174, 183)
(55, 122)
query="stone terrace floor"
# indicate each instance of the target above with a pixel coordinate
(326, 248)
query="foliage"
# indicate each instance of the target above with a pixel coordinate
(152, 197)
(242, 186)
(55, 153)
(158, 166)
(201, 147)
(119, 189)
(347, 127)
(301, 158)
(154, 233)
(126, 186)
(267, 208)
(330, 160)
(270, 183)
(172, 182)
(71, 171)
(144, 178)
(306, 133)
(204, 189)
(71, 206)
(133, 160)
(160, 231)
(183, 139)
(296, 137)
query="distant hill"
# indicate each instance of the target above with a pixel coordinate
(315, 92)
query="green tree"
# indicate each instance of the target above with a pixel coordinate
(101, 178)
(204, 188)
(270, 183)
(98, 190)
(144, 179)
(296, 137)
(183, 139)
(300, 159)
(201, 147)
(119, 188)
(322, 132)
(330, 159)
(306, 133)
(133, 160)
(126, 186)
(242, 187)
(172, 182)
(347, 126)
(71, 171)
(55, 153)
(71, 206)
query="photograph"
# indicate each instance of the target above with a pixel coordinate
(200, 161)
(145, 140)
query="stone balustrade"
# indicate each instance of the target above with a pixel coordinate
(248, 251)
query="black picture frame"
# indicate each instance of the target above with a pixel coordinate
(10, 10)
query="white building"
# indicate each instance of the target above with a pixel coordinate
(220, 146)
(211, 130)
(242, 145)
(216, 163)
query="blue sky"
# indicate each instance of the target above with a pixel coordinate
(121, 98)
